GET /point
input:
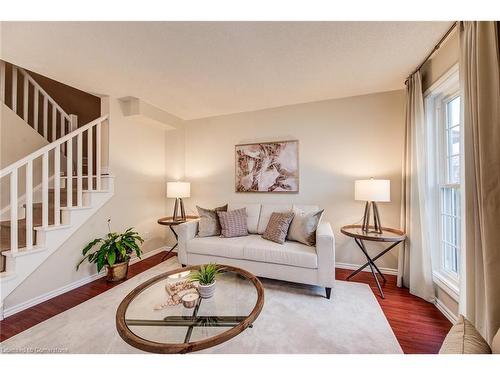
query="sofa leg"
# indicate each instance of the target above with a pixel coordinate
(328, 292)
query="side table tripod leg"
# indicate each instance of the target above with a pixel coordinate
(173, 247)
(372, 265)
(370, 260)
(378, 283)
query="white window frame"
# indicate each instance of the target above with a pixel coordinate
(441, 92)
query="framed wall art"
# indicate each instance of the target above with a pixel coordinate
(269, 167)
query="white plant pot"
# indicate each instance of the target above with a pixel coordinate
(206, 291)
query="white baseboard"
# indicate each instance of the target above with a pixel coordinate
(446, 311)
(149, 254)
(76, 284)
(350, 266)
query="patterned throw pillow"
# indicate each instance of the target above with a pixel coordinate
(277, 228)
(209, 224)
(303, 227)
(233, 223)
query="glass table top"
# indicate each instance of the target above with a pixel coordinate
(387, 235)
(149, 317)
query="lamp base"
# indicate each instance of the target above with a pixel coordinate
(175, 216)
(377, 226)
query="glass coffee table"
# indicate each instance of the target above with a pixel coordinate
(237, 302)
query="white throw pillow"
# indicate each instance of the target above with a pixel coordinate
(303, 226)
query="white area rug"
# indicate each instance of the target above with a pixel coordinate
(295, 319)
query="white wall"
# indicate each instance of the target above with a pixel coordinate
(339, 140)
(138, 157)
(18, 139)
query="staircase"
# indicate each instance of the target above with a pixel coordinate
(50, 193)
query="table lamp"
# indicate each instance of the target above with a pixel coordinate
(372, 191)
(178, 190)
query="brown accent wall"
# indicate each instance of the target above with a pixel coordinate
(75, 102)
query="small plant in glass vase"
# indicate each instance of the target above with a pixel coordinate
(114, 252)
(206, 278)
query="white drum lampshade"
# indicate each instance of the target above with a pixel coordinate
(372, 190)
(178, 189)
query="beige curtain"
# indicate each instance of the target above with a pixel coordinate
(414, 268)
(480, 266)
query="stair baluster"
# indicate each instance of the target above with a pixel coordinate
(45, 189)
(13, 211)
(29, 204)
(25, 98)
(14, 89)
(57, 185)
(69, 173)
(79, 163)
(89, 160)
(35, 109)
(98, 156)
(45, 117)
(2, 81)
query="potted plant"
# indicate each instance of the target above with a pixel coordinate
(205, 277)
(114, 252)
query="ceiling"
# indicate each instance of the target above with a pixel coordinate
(202, 69)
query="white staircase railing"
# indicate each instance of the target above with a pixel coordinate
(25, 165)
(33, 104)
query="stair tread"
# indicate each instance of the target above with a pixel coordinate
(22, 251)
(53, 227)
(5, 225)
(7, 275)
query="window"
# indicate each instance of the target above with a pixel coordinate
(449, 177)
(443, 120)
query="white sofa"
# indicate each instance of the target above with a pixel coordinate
(291, 261)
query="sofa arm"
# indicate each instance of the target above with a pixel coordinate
(185, 232)
(325, 249)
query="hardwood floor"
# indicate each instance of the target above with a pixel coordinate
(418, 325)
(28, 318)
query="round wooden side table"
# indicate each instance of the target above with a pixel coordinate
(395, 236)
(168, 221)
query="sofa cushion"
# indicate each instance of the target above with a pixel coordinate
(209, 224)
(253, 213)
(290, 253)
(266, 212)
(233, 223)
(464, 338)
(218, 246)
(277, 227)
